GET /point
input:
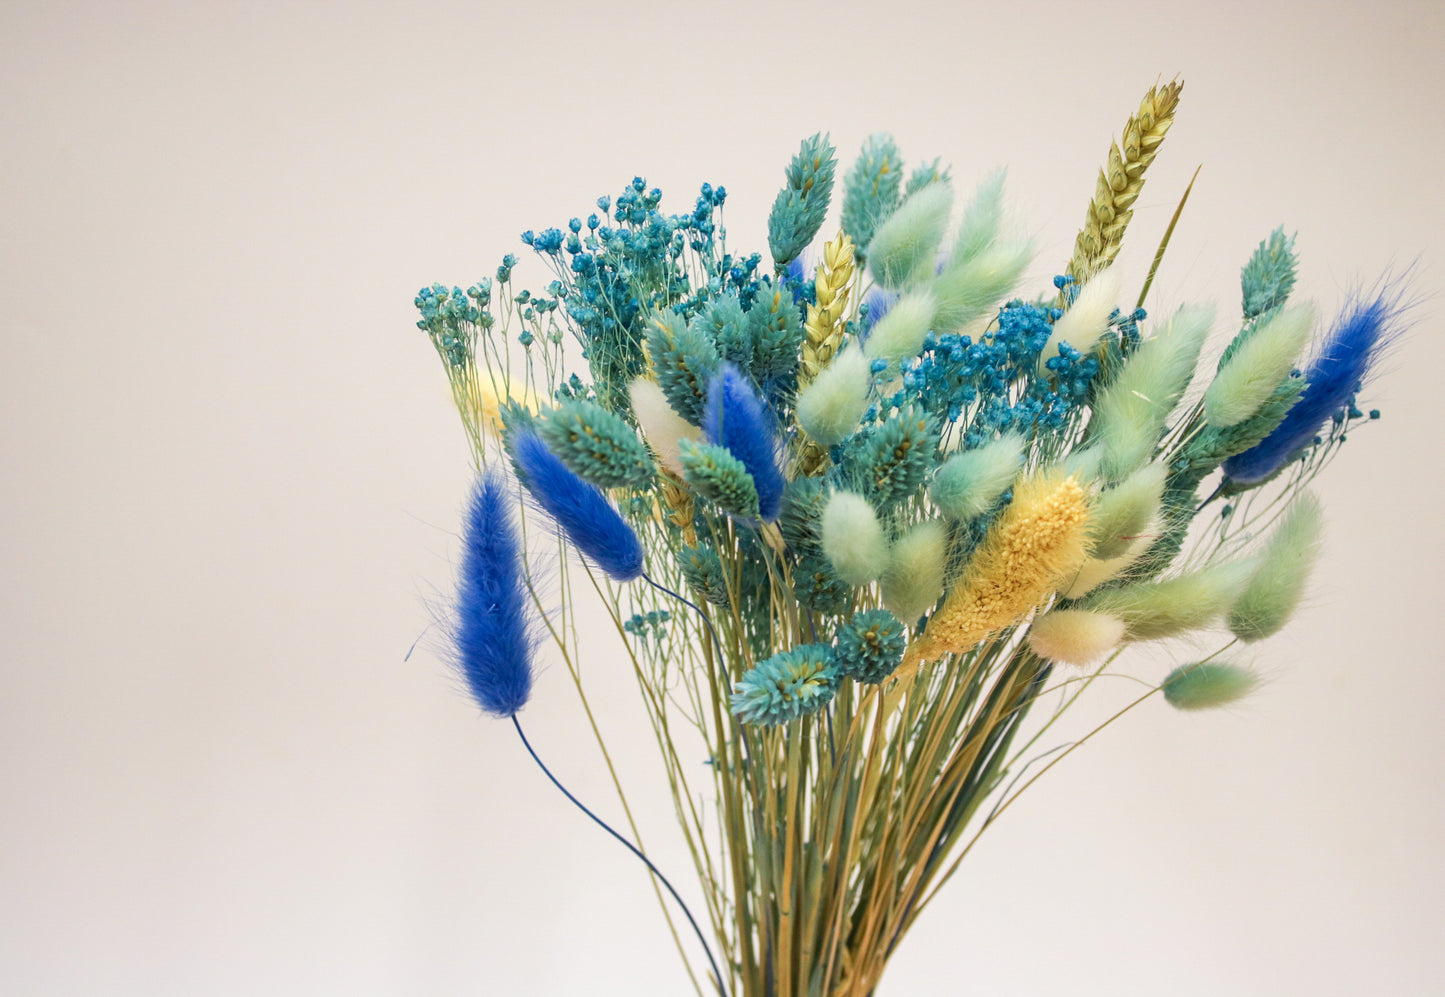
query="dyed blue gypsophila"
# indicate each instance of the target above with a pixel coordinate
(975, 384)
(1333, 378)
(786, 686)
(634, 260)
(870, 646)
(452, 317)
(581, 511)
(737, 419)
(491, 637)
(648, 625)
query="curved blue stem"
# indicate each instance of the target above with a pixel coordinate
(717, 974)
(696, 608)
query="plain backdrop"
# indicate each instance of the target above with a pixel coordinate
(230, 478)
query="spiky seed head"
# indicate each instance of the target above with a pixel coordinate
(597, 445)
(789, 685)
(720, 478)
(870, 646)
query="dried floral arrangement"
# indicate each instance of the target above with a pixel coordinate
(865, 529)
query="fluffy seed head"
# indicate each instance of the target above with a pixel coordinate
(1256, 368)
(975, 286)
(1075, 636)
(853, 539)
(1086, 319)
(1207, 685)
(1130, 413)
(1154, 610)
(981, 221)
(1096, 571)
(1273, 593)
(968, 484)
(490, 635)
(1341, 365)
(904, 246)
(581, 511)
(914, 579)
(1033, 545)
(736, 418)
(661, 425)
(830, 407)
(899, 335)
(1122, 514)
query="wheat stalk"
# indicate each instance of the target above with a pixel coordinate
(824, 326)
(823, 332)
(1121, 181)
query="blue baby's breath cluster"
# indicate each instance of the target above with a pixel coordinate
(452, 318)
(632, 259)
(651, 625)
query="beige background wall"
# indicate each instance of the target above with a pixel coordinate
(230, 477)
